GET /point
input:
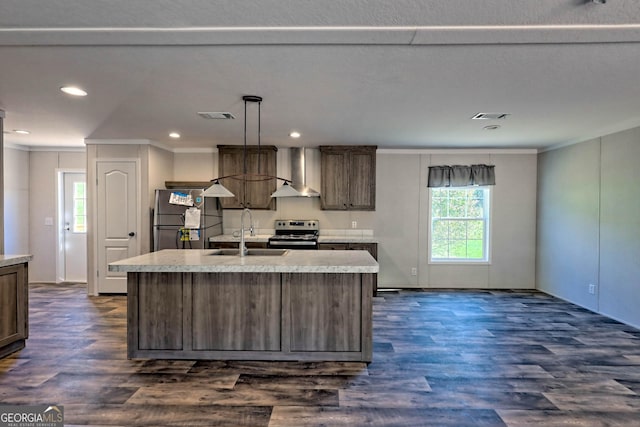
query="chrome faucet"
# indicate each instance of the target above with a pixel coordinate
(243, 248)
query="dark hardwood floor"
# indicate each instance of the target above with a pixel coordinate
(441, 358)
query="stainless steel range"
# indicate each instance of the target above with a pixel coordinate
(295, 234)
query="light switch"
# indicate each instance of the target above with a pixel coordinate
(48, 220)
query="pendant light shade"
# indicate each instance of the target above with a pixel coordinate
(217, 190)
(286, 191)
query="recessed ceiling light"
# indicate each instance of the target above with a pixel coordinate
(21, 131)
(72, 90)
(491, 127)
(295, 134)
(174, 135)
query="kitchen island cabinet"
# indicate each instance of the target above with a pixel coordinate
(372, 248)
(304, 305)
(348, 177)
(14, 303)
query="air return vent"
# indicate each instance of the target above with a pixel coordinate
(490, 116)
(215, 115)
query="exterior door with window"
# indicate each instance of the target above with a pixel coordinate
(74, 228)
(117, 220)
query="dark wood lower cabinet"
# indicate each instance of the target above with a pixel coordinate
(232, 317)
(14, 312)
(160, 323)
(326, 312)
(250, 316)
(372, 248)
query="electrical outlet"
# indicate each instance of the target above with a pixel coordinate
(414, 271)
(592, 288)
(354, 224)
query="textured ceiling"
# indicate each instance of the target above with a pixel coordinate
(399, 74)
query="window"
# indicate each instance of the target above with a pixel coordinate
(459, 224)
(79, 208)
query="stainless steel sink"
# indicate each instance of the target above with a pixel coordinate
(251, 252)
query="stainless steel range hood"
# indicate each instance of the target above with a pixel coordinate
(298, 177)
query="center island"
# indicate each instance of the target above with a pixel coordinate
(211, 305)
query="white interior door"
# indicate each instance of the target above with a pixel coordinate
(117, 223)
(74, 227)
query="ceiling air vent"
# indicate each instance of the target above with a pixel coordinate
(490, 116)
(215, 115)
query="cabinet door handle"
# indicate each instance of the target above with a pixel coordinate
(131, 234)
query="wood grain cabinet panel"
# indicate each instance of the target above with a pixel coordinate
(236, 312)
(326, 312)
(249, 316)
(254, 193)
(348, 177)
(160, 311)
(334, 178)
(13, 308)
(372, 248)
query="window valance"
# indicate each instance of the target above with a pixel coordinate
(461, 176)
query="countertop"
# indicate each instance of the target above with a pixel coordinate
(264, 238)
(294, 261)
(9, 260)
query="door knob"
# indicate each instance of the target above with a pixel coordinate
(131, 234)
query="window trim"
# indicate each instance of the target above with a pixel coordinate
(488, 227)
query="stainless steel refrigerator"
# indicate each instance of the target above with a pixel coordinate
(173, 226)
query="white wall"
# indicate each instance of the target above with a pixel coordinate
(400, 221)
(568, 217)
(160, 170)
(589, 224)
(398, 218)
(512, 222)
(43, 166)
(16, 201)
(195, 166)
(619, 295)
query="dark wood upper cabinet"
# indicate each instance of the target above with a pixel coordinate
(348, 177)
(254, 192)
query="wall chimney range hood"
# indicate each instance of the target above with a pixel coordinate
(298, 186)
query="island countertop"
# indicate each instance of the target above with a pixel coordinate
(8, 260)
(203, 261)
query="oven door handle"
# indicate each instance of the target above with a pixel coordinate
(292, 243)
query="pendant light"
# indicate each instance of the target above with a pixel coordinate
(218, 190)
(286, 191)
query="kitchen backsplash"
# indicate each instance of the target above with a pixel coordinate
(356, 222)
(323, 232)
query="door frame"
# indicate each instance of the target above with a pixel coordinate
(59, 219)
(92, 275)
